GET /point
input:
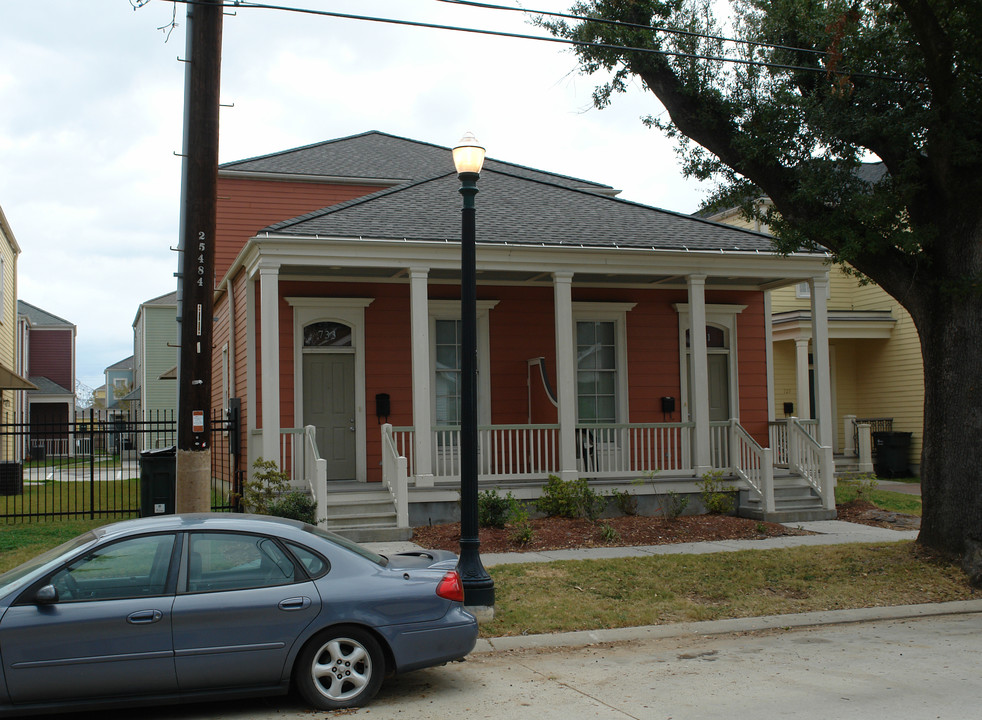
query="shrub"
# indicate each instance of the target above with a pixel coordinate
(716, 496)
(495, 511)
(295, 505)
(608, 533)
(570, 499)
(674, 504)
(268, 482)
(522, 529)
(627, 502)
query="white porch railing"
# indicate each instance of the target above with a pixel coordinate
(292, 456)
(778, 436)
(395, 475)
(531, 452)
(315, 469)
(752, 463)
(812, 461)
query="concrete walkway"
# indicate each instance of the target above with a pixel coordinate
(828, 532)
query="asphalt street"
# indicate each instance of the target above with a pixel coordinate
(912, 668)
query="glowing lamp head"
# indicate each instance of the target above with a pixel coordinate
(468, 156)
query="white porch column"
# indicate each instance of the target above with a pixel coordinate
(820, 359)
(422, 416)
(803, 400)
(269, 318)
(769, 356)
(699, 408)
(848, 432)
(565, 373)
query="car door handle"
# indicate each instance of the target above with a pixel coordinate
(295, 603)
(144, 617)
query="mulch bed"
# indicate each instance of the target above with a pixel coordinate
(556, 533)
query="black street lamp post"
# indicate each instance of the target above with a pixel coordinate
(478, 586)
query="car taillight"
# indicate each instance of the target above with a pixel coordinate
(450, 587)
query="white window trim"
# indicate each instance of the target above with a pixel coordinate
(351, 312)
(450, 310)
(609, 312)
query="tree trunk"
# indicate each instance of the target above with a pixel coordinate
(951, 460)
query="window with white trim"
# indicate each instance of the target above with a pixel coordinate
(600, 334)
(596, 371)
(446, 380)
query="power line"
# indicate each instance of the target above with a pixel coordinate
(541, 38)
(633, 26)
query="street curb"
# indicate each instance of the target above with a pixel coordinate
(718, 627)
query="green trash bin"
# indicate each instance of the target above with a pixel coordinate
(158, 479)
(892, 454)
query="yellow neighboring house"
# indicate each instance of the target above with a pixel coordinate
(874, 355)
(10, 379)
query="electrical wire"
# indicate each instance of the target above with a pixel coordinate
(633, 26)
(246, 4)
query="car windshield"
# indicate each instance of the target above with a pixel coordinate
(346, 543)
(9, 579)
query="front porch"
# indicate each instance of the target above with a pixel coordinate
(792, 480)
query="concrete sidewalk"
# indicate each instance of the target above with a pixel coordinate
(828, 532)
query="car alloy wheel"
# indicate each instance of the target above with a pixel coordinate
(341, 667)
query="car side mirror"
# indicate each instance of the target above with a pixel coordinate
(47, 595)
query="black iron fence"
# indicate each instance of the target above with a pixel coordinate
(89, 466)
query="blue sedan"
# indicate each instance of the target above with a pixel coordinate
(193, 607)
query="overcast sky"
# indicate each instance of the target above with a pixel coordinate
(91, 110)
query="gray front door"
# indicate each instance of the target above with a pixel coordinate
(329, 405)
(719, 387)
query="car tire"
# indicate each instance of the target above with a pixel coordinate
(341, 667)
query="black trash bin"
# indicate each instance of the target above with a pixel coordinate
(11, 478)
(892, 454)
(37, 452)
(158, 478)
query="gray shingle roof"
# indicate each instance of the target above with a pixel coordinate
(521, 211)
(39, 317)
(124, 364)
(47, 387)
(380, 156)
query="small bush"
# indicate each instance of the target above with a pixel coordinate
(493, 510)
(627, 502)
(716, 496)
(674, 504)
(267, 484)
(570, 499)
(295, 505)
(608, 533)
(521, 528)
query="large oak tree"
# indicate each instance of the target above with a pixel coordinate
(822, 87)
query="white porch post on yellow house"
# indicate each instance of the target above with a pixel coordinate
(803, 408)
(820, 358)
(422, 416)
(269, 317)
(701, 451)
(565, 373)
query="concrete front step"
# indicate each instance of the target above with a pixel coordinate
(795, 500)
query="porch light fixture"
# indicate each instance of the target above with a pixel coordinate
(468, 158)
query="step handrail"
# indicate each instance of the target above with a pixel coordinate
(753, 464)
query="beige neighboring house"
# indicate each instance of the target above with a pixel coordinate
(874, 354)
(11, 371)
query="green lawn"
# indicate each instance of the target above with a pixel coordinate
(848, 490)
(79, 498)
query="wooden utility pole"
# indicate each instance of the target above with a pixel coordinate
(196, 278)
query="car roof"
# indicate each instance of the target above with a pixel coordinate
(200, 521)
